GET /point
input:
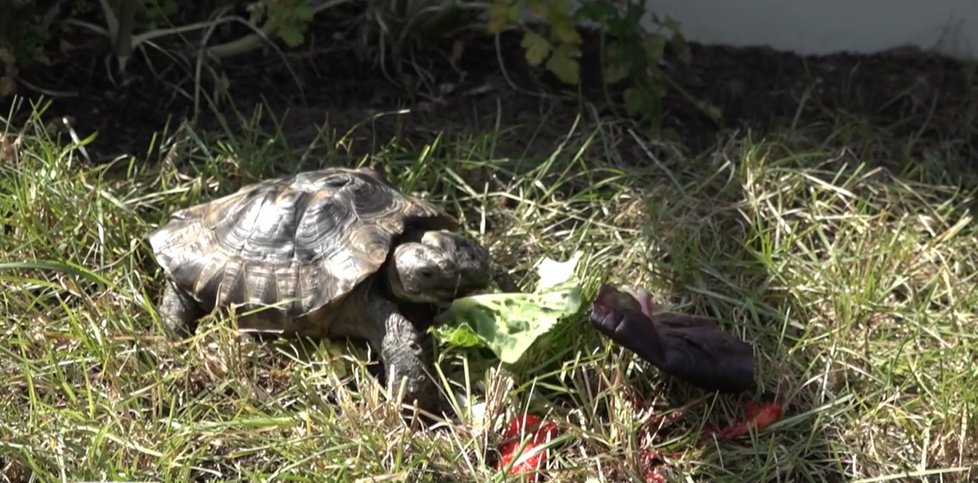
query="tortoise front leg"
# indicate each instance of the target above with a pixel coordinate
(179, 311)
(405, 354)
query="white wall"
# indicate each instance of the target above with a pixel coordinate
(825, 26)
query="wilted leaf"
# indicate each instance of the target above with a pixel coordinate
(537, 48)
(563, 63)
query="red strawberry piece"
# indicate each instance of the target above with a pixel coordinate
(756, 415)
(516, 431)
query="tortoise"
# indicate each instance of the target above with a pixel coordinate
(333, 253)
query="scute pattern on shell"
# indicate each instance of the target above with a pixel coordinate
(300, 241)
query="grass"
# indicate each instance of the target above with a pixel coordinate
(853, 281)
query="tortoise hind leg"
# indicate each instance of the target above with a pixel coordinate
(179, 311)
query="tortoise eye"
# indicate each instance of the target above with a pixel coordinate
(337, 181)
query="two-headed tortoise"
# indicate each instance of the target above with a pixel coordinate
(306, 249)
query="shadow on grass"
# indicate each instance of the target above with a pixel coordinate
(704, 257)
(806, 250)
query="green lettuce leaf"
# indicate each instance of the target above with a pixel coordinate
(509, 323)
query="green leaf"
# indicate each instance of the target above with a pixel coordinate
(634, 13)
(501, 14)
(645, 98)
(615, 68)
(553, 273)
(670, 23)
(563, 63)
(562, 27)
(460, 335)
(655, 46)
(597, 11)
(633, 99)
(509, 323)
(292, 36)
(538, 8)
(256, 12)
(289, 19)
(681, 48)
(537, 47)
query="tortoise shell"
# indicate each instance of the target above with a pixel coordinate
(300, 242)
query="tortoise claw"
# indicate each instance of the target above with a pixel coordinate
(690, 348)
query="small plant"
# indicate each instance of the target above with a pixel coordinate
(288, 19)
(629, 52)
(632, 53)
(283, 19)
(159, 13)
(557, 45)
(22, 30)
(25, 27)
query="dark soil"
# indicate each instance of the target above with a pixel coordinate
(755, 88)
